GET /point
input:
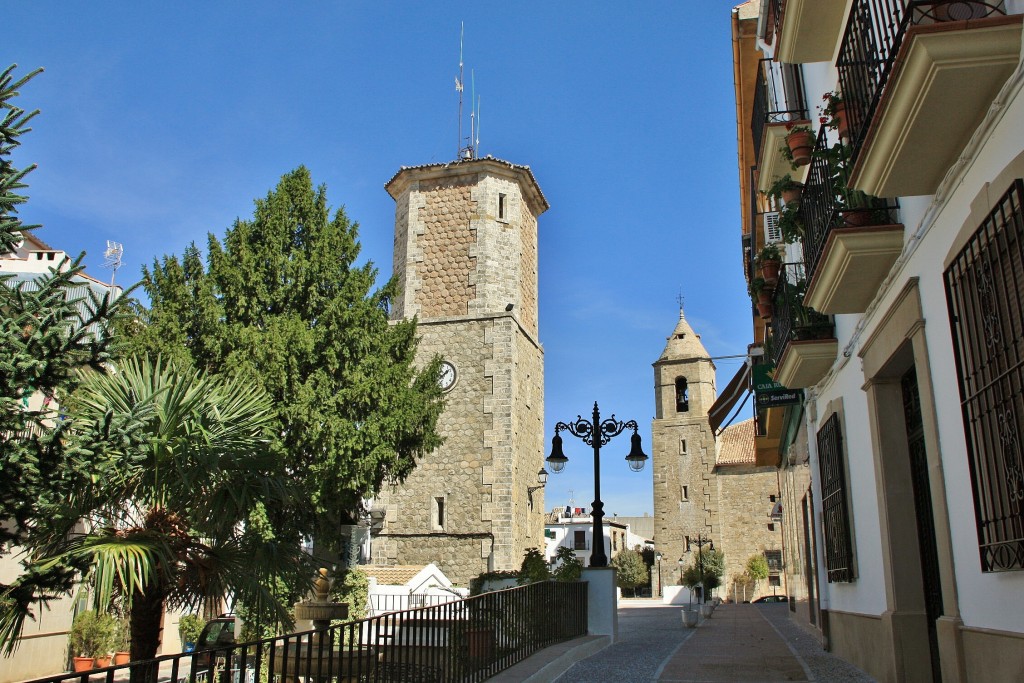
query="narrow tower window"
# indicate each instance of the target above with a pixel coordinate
(501, 207)
(682, 446)
(682, 396)
(685, 493)
(439, 512)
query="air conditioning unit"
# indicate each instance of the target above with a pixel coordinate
(772, 231)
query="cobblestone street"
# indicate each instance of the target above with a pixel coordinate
(739, 643)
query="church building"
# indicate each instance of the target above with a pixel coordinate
(708, 490)
(466, 256)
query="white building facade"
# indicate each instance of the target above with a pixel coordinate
(910, 263)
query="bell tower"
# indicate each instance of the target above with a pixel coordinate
(466, 256)
(683, 450)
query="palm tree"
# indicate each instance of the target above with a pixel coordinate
(180, 516)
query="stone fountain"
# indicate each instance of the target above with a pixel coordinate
(321, 609)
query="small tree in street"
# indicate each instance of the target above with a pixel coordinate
(757, 568)
(568, 567)
(632, 571)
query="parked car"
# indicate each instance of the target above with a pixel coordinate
(772, 598)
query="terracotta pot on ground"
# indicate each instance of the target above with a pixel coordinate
(102, 662)
(800, 143)
(770, 271)
(84, 663)
(122, 658)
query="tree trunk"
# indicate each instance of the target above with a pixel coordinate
(146, 613)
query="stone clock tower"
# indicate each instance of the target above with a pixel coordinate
(466, 256)
(685, 491)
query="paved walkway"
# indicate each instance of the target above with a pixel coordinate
(739, 643)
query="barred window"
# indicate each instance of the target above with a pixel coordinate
(983, 291)
(774, 559)
(835, 511)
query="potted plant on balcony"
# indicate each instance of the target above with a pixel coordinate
(769, 259)
(832, 114)
(799, 144)
(761, 294)
(786, 189)
(856, 208)
(807, 322)
(791, 224)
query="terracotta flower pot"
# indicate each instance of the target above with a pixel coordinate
(765, 310)
(800, 143)
(83, 663)
(792, 195)
(859, 218)
(103, 662)
(122, 658)
(770, 271)
(842, 124)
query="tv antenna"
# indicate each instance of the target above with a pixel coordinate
(473, 141)
(112, 257)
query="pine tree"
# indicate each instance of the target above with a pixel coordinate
(282, 299)
(46, 339)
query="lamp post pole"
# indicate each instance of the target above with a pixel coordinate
(596, 433)
(702, 541)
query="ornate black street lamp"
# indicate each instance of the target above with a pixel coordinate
(700, 542)
(596, 433)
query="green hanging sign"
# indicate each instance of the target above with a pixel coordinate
(770, 394)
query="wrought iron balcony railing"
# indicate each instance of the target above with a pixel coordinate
(874, 33)
(791, 319)
(778, 98)
(829, 203)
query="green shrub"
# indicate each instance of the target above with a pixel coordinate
(93, 634)
(534, 568)
(189, 628)
(568, 567)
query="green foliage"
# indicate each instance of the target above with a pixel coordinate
(197, 471)
(282, 300)
(93, 634)
(534, 568)
(781, 185)
(690, 577)
(632, 571)
(189, 628)
(568, 567)
(353, 587)
(769, 252)
(50, 331)
(476, 585)
(757, 568)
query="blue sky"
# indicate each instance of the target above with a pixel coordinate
(162, 122)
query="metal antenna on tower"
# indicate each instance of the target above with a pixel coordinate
(112, 257)
(458, 89)
(469, 150)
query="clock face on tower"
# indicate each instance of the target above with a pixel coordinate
(447, 377)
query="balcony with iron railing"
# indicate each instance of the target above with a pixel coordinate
(802, 343)
(805, 31)
(917, 78)
(779, 102)
(850, 239)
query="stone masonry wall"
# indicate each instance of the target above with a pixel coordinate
(461, 471)
(678, 515)
(447, 238)
(746, 497)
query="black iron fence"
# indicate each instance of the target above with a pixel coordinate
(874, 33)
(828, 202)
(778, 98)
(455, 642)
(791, 319)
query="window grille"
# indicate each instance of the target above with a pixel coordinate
(983, 292)
(834, 509)
(772, 231)
(774, 560)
